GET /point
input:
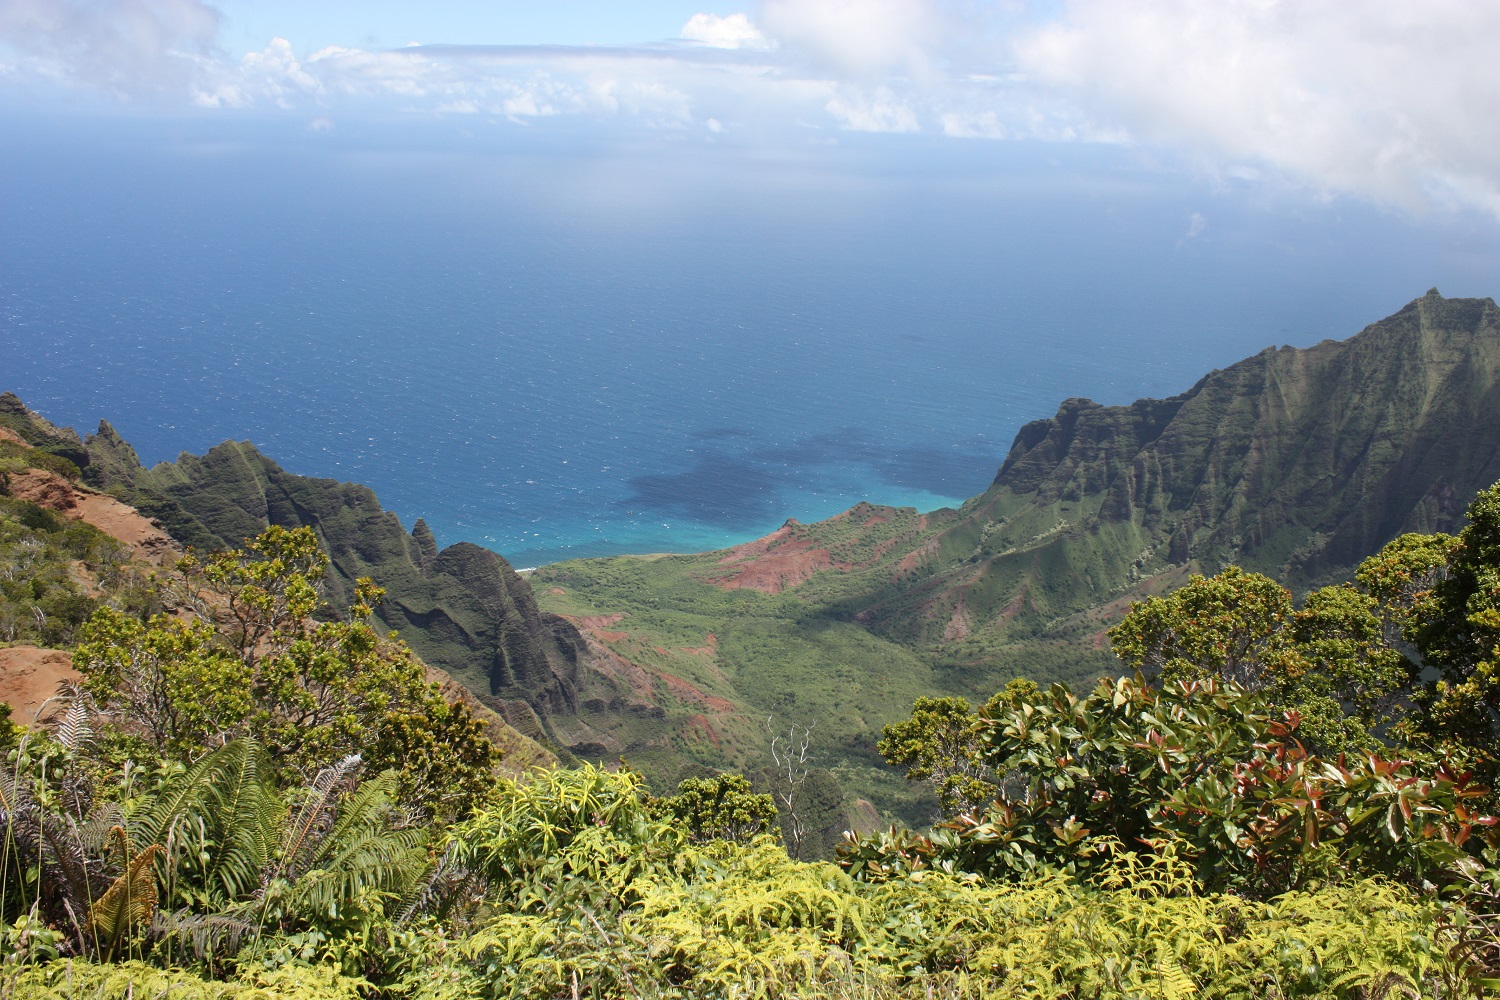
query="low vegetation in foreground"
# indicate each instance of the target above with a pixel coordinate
(253, 794)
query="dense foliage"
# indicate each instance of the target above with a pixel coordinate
(257, 795)
(571, 890)
(249, 651)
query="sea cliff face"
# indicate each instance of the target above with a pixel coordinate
(1304, 460)
(1296, 462)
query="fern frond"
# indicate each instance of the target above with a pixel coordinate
(94, 832)
(226, 809)
(444, 884)
(299, 845)
(130, 901)
(207, 935)
(74, 729)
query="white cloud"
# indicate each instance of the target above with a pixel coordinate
(1197, 223)
(732, 32)
(880, 111)
(124, 47)
(859, 38)
(1385, 98)
(973, 125)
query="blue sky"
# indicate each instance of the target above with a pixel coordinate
(1385, 101)
(389, 23)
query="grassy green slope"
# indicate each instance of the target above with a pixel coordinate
(694, 672)
(708, 660)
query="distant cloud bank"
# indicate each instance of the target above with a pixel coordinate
(1383, 99)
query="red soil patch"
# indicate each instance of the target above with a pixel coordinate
(597, 626)
(778, 561)
(760, 546)
(686, 691)
(699, 726)
(613, 666)
(660, 650)
(780, 571)
(644, 684)
(6, 434)
(959, 625)
(30, 675)
(874, 519)
(596, 621)
(118, 520)
(916, 557)
(556, 590)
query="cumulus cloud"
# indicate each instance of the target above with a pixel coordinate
(859, 38)
(124, 47)
(732, 32)
(1384, 98)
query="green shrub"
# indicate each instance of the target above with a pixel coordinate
(81, 980)
(746, 921)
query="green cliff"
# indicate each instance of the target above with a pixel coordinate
(463, 609)
(1295, 462)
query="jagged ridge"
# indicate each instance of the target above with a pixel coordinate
(1297, 462)
(463, 609)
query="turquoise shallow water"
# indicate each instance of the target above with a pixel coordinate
(558, 353)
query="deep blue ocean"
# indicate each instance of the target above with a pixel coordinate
(558, 347)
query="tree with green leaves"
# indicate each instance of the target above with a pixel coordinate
(167, 679)
(254, 651)
(1341, 674)
(1330, 659)
(1203, 768)
(1400, 578)
(942, 743)
(1231, 625)
(722, 807)
(1454, 623)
